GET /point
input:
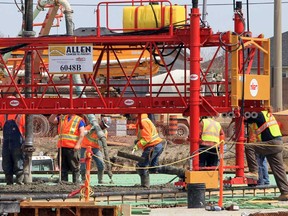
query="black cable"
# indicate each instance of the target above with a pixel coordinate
(247, 8)
(10, 49)
(154, 13)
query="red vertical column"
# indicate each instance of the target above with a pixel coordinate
(194, 84)
(239, 28)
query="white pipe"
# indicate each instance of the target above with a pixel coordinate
(247, 115)
(224, 115)
(254, 114)
(231, 115)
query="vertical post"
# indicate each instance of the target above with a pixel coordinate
(221, 170)
(87, 175)
(194, 84)
(239, 28)
(277, 57)
(28, 146)
(239, 124)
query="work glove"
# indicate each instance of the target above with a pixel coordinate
(101, 141)
(135, 148)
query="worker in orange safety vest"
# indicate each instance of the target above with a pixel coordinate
(12, 153)
(70, 135)
(211, 133)
(150, 142)
(271, 147)
(91, 140)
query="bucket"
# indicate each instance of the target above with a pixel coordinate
(173, 125)
(196, 195)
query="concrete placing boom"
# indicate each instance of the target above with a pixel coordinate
(245, 83)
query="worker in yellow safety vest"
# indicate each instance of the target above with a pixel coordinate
(151, 143)
(263, 175)
(271, 147)
(70, 135)
(211, 133)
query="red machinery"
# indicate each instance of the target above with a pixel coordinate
(242, 53)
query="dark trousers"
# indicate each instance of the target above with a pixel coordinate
(70, 161)
(273, 150)
(208, 158)
(12, 159)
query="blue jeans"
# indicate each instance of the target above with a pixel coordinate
(151, 155)
(262, 170)
(98, 160)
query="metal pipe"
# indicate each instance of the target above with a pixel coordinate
(224, 115)
(68, 16)
(231, 115)
(204, 12)
(254, 114)
(28, 145)
(247, 114)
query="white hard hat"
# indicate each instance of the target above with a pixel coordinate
(106, 121)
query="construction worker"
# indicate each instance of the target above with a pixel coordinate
(70, 136)
(91, 140)
(271, 147)
(263, 175)
(12, 153)
(152, 145)
(211, 133)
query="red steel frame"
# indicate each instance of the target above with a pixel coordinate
(190, 102)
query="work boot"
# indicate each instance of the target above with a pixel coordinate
(19, 179)
(9, 179)
(252, 175)
(64, 176)
(145, 180)
(76, 177)
(100, 177)
(283, 197)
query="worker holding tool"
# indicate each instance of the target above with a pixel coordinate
(91, 139)
(70, 135)
(271, 147)
(12, 152)
(263, 175)
(211, 133)
(150, 142)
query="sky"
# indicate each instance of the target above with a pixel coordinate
(219, 17)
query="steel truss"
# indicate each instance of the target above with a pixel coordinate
(241, 54)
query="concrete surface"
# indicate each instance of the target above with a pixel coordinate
(184, 211)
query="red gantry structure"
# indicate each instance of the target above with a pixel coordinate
(75, 74)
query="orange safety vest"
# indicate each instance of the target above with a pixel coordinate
(68, 131)
(20, 121)
(91, 139)
(147, 133)
(253, 137)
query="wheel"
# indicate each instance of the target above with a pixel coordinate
(40, 125)
(182, 131)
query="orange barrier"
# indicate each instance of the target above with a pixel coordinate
(173, 125)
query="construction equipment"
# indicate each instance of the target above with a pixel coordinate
(245, 84)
